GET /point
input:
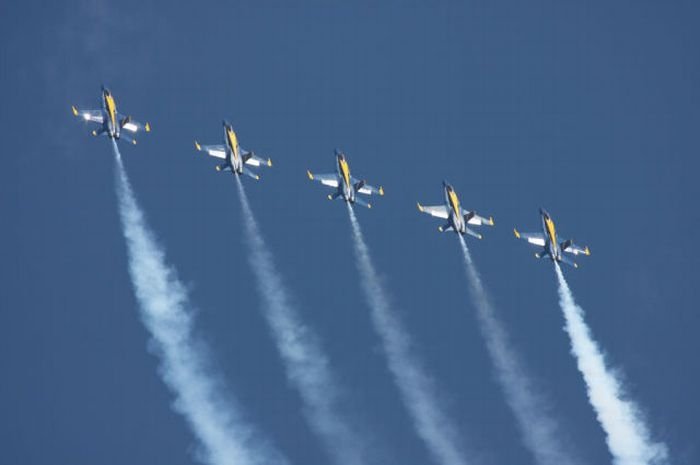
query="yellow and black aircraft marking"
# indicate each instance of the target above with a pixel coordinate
(454, 202)
(551, 231)
(345, 171)
(233, 142)
(111, 109)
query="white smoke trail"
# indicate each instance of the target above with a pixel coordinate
(308, 368)
(627, 435)
(214, 419)
(538, 428)
(417, 389)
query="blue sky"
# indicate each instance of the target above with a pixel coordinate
(588, 110)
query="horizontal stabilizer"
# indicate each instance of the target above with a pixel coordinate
(568, 261)
(359, 201)
(473, 233)
(249, 173)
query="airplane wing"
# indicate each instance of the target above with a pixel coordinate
(218, 151)
(474, 219)
(133, 126)
(439, 211)
(366, 189)
(532, 238)
(570, 247)
(250, 158)
(94, 116)
(330, 180)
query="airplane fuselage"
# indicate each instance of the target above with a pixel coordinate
(233, 150)
(550, 234)
(453, 206)
(111, 119)
(347, 190)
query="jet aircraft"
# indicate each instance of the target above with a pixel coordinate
(347, 187)
(457, 217)
(552, 247)
(235, 158)
(110, 120)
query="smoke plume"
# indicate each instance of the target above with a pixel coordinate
(626, 433)
(225, 438)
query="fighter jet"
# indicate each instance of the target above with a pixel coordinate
(552, 247)
(111, 122)
(235, 158)
(347, 187)
(457, 217)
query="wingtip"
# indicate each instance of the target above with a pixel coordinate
(269, 162)
(330, 197)
(94, 133)
(74, 110)
(133, 141)
(575, 265)
(257, 177)
(381, 190)
(148, 127)
(420, 207)
(517, 234)
(369, 205)
(217, 168)
(480, 237)
(197, 146)
(587, 251)
(440, 228)
(491, 220)
(311, 176)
